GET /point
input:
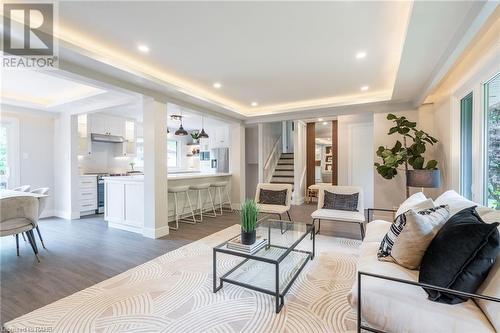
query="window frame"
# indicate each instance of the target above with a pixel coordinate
(13, 150)
(177, 154)
(484, 136)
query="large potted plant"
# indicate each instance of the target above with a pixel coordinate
(249, 212)
(408, 153)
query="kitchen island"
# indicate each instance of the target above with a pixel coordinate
(124, 197)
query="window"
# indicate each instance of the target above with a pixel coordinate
(3, 157)
(492, 112)
(139, 157)
(9, 153)
(172, 153)
(466, 146)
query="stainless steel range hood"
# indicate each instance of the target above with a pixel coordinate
(106, 138)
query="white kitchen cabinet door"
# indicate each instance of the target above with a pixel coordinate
(114, 201)
(134, 206)
(97, 123)
(115, 126)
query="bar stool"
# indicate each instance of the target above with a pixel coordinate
(218, 187)
(201, 205)
(176, 190)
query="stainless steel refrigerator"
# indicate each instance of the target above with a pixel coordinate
(220, 159)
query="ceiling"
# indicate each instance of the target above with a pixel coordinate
(286, 56)
(279, 54)
(52, 92)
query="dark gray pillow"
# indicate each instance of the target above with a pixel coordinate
(270, 197)
(337, 201)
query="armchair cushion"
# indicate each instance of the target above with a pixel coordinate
(272, 209)
(270, 197)
(337, 201)
(338, 215)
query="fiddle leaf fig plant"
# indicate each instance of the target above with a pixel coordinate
(409, 152)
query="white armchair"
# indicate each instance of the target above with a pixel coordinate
(275, 209)
(340, 215)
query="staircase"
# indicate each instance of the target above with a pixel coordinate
(283, 173)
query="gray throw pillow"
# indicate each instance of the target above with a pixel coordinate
(338, 201)
(418, 229)
(270, 197)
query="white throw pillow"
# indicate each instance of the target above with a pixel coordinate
(456, 202)
(411, 202)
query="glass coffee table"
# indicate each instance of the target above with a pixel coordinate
(272, 269)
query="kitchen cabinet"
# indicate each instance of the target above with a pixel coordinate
(107, 125)
(88, 195)
(84, 140)
(219, 138)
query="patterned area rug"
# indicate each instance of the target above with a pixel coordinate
(173, 293)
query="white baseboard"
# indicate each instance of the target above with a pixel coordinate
(155, 232)
(48, 213)
(66, 215)
(298, 201)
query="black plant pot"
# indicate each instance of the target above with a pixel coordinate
(248, 238)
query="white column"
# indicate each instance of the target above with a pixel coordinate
(237, 163)
(66, 175)
(155, 168)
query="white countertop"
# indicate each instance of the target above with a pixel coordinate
(171, 176)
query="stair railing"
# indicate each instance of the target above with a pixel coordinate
(272, 160)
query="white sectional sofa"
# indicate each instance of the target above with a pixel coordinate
(391, 306)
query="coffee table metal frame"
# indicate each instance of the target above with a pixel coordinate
(279, 296)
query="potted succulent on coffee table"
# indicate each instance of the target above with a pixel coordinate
(249, 212)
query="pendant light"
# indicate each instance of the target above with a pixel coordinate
(181, 131)
(203, 134)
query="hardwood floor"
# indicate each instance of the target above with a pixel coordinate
(81, 253)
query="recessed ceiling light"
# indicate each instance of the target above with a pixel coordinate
(364, 88)
(143, 48)
(325, 123)
(254, 104)
(361, 55)
(217, 85)
(320, 119)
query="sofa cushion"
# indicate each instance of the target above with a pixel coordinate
(456, 202)
(420, 228)
(460, 256)
(396, 307)
(270, 197)
(396, 229)
(491, 287)
(338, 201)
(376, 230)
(411, 202)
(338, 215)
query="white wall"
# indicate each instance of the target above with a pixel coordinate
(355, 138)
(252, 161)
(300, 161)
(36, 149)
(237, 163)
(476, 66)
(268, 134)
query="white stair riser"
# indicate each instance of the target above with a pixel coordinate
(283, 173)
(285, 167)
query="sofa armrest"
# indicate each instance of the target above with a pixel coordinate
(371, 210)
(414, 283)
